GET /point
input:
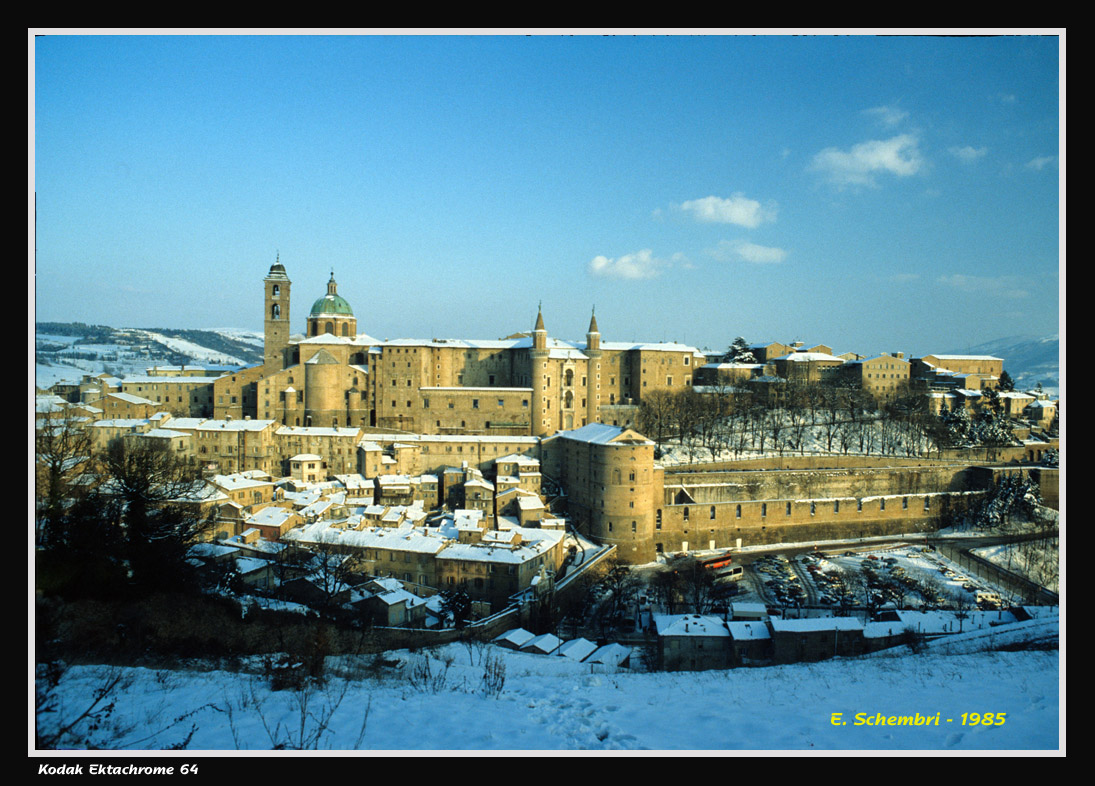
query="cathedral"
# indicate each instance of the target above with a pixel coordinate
(526, 385)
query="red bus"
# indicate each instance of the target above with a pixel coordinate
(717, 563)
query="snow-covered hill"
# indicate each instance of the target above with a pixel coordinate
(435, 701)
(1028, 359)
(67, 351)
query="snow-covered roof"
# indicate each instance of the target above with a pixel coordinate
(559, 347)
(238, 481)
(949, 622)
(598, 434)
(690, 625)
(129, 398)
(748, 631)
(807, 357)
(814, 624)
(965, 357)
(164, 433)
(545, 643)
(317, 431)
(576, 649)
(235, 425)
(360, 340)
(270, 517)
(517, 637)
(612, 654)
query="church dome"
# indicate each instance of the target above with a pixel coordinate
(331, 304)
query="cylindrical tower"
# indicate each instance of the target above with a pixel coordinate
(538, 356)
(593, 388)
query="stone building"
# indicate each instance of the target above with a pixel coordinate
(525, 385)
(885, 376)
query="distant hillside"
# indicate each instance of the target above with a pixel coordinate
(1028, 359)
(67, 350)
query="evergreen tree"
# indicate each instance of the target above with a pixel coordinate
(739, 352)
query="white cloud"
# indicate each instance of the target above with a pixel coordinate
(888, 116)
(738, 209)
(641, 264)
(969, 153)
(732, 251)
(1040, 163)
(1002, 286)
(858, 167)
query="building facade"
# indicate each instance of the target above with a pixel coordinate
(524, 385)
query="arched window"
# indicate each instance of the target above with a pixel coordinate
(275, 311)
(276, 291)
(329, 328)
(345, 328)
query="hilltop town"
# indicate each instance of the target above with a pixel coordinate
(524, 484)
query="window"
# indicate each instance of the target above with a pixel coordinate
(475, 403)
(738, 512)
(904, 503)
(764, 509)
(788, 508)
(927, 504)
(686, 514)
(712, 516)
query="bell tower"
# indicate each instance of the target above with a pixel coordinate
(276, 316)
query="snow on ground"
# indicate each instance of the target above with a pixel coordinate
(254, 337)
(199, 353)
(48, 376)
(1039, 562)
(551, 703)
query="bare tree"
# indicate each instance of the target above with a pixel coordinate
(160, 493)
(655, 416)
(62, 450)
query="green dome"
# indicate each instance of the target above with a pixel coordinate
(331, 304)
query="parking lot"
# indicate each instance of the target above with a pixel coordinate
(914, 577)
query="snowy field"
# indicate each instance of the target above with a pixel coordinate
(550, 704)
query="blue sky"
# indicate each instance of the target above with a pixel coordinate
(871, 193)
